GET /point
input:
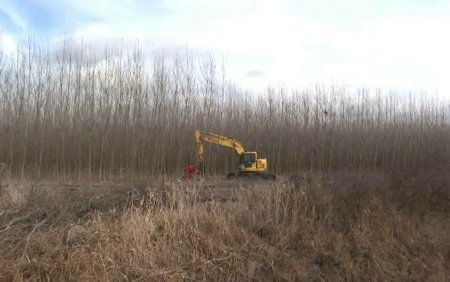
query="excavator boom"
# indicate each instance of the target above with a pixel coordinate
(218, 140)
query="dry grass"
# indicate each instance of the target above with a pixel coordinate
(345, 227)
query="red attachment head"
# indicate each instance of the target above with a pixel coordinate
(190, 170)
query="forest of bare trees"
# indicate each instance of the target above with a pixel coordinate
(78, 111)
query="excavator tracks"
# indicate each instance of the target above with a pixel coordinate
(251, 176)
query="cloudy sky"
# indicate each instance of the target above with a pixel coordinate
(402, 44)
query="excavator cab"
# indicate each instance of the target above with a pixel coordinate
(247, 159)
(249, 162)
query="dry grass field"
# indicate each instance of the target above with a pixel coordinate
(345, 226)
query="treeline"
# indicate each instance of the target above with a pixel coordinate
(78, 111)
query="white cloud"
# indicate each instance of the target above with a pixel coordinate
(400, 48)
(405, 52)
(8, 44)
(97, 31)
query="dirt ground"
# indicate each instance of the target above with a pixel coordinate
(65, 202)
(47, 203)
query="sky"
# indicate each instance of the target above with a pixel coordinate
(401, 44)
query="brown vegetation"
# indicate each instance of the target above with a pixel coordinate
(72, 114)
(75, 111)
(172, 230)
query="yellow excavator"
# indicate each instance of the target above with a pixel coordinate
(249, 164)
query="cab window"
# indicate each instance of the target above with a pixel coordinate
(248, 158)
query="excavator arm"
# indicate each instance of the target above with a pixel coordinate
(218, 140)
